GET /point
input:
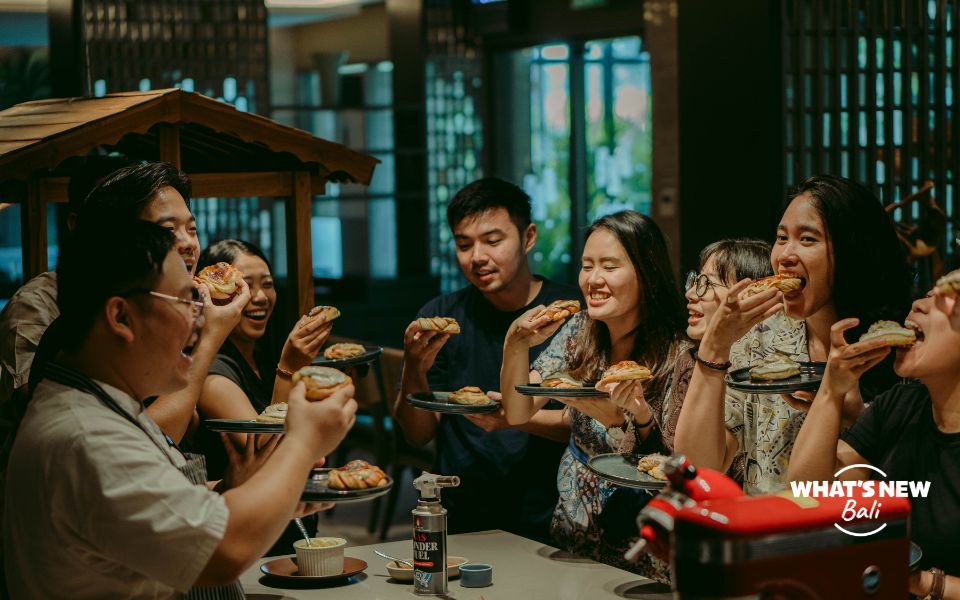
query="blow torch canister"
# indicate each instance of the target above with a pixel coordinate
(430, 536)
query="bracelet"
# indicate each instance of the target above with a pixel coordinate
(284, 372)
(647, 424)
(938, 585)
(712, 365)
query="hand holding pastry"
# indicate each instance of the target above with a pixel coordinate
(530, 331)
(628, 395)
(847, 362)
(222, 281)
(949, 304)
(219, 320)
(320, 426)
(736, 317)
(304, 342)
(420, 348)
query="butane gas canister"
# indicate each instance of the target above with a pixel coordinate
(430, 536)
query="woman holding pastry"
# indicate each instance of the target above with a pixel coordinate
(836, 256)
(628, 340)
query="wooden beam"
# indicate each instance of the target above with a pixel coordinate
(170, 144)
(299, 247)
(33, 230)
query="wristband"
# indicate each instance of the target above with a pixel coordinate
(647, 424)
(938, 585)
(284, 372)
(712, 365)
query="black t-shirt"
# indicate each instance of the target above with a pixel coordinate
(898, 435)
(508, 478)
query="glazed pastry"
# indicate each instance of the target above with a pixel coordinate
(784, 283)
(949, 284)
(356, 475)
(223, 281)
(650, 462)
(328, 313)
(560, 309)
(469, 395)
(560, 379)
(441, 324)
(321, 382)
(343, 350)
(275, 413)
(624, 370)
(775, 366)
(891, 332)
(657, 473)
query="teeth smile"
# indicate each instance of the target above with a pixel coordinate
(260, 314)
(694, 313)
(599, 296)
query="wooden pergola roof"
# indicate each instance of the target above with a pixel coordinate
(225, 152)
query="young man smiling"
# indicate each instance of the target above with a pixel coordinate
(507, 475)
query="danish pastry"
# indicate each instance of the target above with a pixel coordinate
(321, 382)
(891, 332)
(222, 280)
(625, 370)
(468, 395)
(560, 379)
(328, 313)
(343, 350)
(785, 283)
(356, 475)
(949, 284)
(275, 413)
(560, 309)
(649, 462)
(775, 366)
(441, 324)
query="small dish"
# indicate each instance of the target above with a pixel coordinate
(476, 576)
(402, 573)
(286, 568)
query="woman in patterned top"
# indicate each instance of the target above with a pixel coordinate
(834, 234)
(634, 313)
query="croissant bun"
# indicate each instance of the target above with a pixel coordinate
(357, 475)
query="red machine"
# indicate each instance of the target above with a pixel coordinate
(724, 545)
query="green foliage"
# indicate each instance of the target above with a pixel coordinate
(24, 76)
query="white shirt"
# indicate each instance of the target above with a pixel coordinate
(94, 509)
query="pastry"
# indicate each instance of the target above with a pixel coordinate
(785, 283)
(328, 313)
(649, 462)
(775, 366)
(356, 475)
(441, 324)
(343, 350)
(891, 332)
(624, 370)
(657, 473)
(222, 280)
(560, 309)
(469, 395)
(560, 379)
(275, 413)
(949, 284)
(321, 382)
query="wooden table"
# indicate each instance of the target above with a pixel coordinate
(522, 570)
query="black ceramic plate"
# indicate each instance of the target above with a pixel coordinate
(372, 353)
(242, 426)
(811, 373)
(621, 469)
(437, 402)
(535, 389)
(316, 490)
(915, 555)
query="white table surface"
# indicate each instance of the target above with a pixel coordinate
(522, 570)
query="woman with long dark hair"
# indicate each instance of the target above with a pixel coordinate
(835, 236)
(634, 313)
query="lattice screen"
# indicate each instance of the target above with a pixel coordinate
(869, 95)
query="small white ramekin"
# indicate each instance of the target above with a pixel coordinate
(319, 562)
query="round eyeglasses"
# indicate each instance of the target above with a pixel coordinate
(700, 283)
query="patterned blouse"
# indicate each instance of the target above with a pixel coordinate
(765, 426)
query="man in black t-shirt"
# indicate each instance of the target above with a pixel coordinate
(508, 476)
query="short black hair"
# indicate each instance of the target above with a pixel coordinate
(126, 194)
(488, 194)
(227, 251)
(136, 249)
(736, 259)
(91, 172)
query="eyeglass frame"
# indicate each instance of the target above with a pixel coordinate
(693, 281)
(196, 306)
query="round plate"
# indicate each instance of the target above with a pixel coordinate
(535, 389)
(621, 469)
(404, 574)
(811, 373)
(915, 555)
(437, 402)
(316, 490)
(372, 354)
(286, 568)
(242, 426)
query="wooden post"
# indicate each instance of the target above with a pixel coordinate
(170, 144)
(33, 230)
(299, 247)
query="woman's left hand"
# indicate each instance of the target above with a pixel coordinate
(303, 344)
(602, 410)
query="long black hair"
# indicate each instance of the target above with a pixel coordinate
(227, 251)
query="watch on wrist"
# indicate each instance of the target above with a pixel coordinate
(937, 586)
(616, 433)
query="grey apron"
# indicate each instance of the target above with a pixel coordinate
(195, 470)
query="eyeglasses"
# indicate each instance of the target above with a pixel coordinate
(700, 282)
(196, 306)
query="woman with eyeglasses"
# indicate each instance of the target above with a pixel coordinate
(835, 236)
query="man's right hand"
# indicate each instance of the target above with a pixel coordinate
(219, 321)
(420, 348)
(323, 424)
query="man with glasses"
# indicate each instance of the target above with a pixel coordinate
(101, 504)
